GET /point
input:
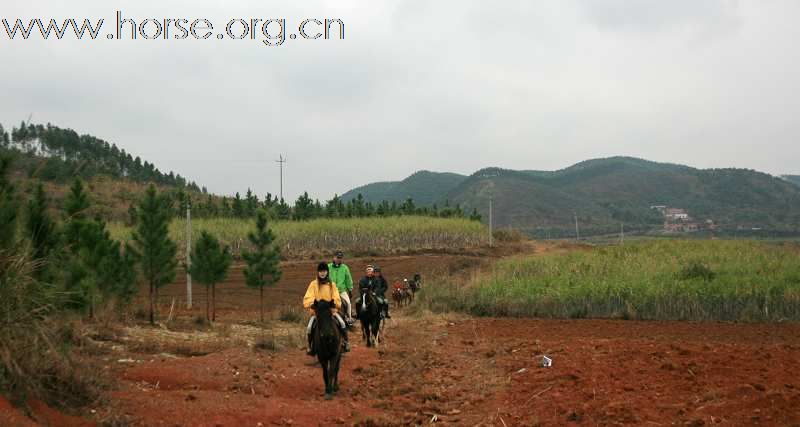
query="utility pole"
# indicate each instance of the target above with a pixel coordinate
(281, 161)
(188, 255)
(491, 238)
(621, 233)
(577, 230)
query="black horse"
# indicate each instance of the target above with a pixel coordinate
(370, 315)
(328, 344)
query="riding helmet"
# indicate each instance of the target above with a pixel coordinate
(323, 266)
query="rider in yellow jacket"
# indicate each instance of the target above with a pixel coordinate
(322, 289)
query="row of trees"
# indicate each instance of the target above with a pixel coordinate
(77, 262)
(305, 208)
(211, 262)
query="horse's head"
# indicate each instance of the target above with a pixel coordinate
(323, 308)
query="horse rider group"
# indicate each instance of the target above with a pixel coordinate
(335, 283)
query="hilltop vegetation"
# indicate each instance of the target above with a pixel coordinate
(425, 187)
(606, 192)
(50, 153)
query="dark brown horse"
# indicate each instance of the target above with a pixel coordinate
(328, 343)
(399, 296)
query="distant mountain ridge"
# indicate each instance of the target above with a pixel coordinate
(425, 187)
(603, 193)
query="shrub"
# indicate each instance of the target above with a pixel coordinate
(291, 314)
(508, 235)
(696, 270)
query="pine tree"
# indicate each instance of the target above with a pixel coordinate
(77, 202)
(283, 211)
(238, 206)
(95, 266)
(475, 215)
(331, 206)
(210, 264)
(3, 137)
(41, 229)
(225, 207)
(78, 285)
(303, 207)
(263, 262)
(155, 252)
(131, 220)
(251, 204)
(8, 206)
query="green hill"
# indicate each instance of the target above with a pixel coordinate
(794, 179)
(606, 192)
(425, 187)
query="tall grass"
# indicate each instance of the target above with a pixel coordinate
(36, 343)
(678, 280)
(366, 236)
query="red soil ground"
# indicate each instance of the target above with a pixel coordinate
(458, 370)
(464, 371)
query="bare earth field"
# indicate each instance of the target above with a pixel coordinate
(446, 369)
(463, 371)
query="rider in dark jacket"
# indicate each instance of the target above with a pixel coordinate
(381, 289)
(373, 283)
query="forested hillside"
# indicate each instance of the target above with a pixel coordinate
(51, 153)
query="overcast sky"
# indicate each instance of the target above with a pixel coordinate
(439, 85)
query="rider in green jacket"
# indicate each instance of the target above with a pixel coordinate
(340, 274)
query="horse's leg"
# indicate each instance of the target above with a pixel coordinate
(337, 360)
(326, 378)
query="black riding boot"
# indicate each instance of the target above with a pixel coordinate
(311, 350)
(386, 311)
